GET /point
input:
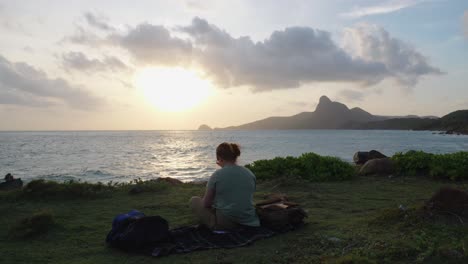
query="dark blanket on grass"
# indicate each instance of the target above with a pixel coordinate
(188, 239)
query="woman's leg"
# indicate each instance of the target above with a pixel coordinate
(209, 216)
(205, 215)
(223, 222)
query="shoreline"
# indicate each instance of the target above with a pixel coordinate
(96, 180)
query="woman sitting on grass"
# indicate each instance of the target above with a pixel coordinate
(228, 200)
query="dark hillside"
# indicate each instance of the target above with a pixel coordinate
(456, 121)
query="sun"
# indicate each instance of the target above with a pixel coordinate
(172, 89)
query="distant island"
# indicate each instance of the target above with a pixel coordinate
(204, 127)
(335, 115)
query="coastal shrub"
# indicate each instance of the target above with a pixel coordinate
(10, 195)
(309, 166)
(36, 224)
(412, 163)
(66, 190)
(453, 166)
(140, 186)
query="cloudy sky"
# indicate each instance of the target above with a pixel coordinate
(79, 66)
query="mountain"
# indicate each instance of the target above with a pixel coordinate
(327, 115)
(455, 122)
(335, 115)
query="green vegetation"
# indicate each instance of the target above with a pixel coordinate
(456, 121)
(308, 166)
(453, 166)
(354, 221)
(41, 189)
(316, 168)
(38, 223)
(351, 219)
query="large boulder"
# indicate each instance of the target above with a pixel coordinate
(383, 166)
(362, 157)
(449, 200)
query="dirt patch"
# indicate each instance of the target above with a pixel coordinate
(449, 201)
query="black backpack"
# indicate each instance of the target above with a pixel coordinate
(139, 234)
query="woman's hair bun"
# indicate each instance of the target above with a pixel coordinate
(228, 151)
(235, 149)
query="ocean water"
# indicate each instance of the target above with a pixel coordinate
(122, 156)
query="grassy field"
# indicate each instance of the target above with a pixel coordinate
(355, 221)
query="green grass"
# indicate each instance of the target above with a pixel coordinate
(355, 221)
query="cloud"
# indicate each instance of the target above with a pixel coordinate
(465, 23)
(79, 61)
(374, 44)
(381, 8)
(286, 59)
(28, 49)
(99, 22)
(9, 97)
(86, 34)
(196, 5)
(126, 84)
(153, 44)
(11, 23)
(83, 37)
(22, 84)
(351, 95)
(14, 26)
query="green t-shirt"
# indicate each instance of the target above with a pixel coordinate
(234, 187)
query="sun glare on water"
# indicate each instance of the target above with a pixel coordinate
(172, 89)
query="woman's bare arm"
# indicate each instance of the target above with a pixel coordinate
(208, 199)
